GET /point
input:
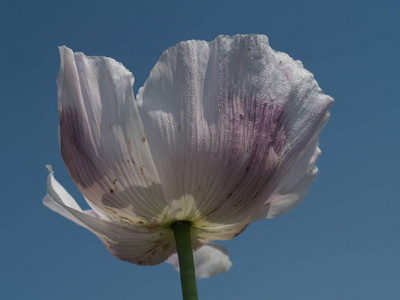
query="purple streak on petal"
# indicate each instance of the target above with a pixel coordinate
(102, 139)
(76, 149)
(255, 138)
(222, 118)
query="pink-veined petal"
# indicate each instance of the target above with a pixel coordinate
(209, 260)
(224, 120)
(139, 245)
(103, 142)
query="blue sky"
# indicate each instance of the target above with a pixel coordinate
(342, 242)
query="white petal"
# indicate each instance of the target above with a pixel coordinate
(209, 260)
(103, 142)
(221, 119)
(293, 180)
(54, 206)
(139, 245)
(58, 192)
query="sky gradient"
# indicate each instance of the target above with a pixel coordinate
(342, 242)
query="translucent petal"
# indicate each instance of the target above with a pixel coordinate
(103, 142)
(292, 184)
(223, 133)
(139, 245)
(209, 260)
(224, 121)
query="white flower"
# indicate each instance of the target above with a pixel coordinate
(222, 134)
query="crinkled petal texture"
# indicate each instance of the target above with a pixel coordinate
(233, 129)
(223, 133)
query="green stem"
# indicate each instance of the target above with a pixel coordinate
(183, 242)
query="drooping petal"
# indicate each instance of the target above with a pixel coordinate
(103, 142)
(140, 245)
(225, 120)
(209, 260)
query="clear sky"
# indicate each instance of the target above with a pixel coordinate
(342, 242)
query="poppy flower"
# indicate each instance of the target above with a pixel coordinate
(222, 134)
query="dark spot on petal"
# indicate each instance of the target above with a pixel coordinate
(141, 170)
(230, 194)
(125, 193)
(213, 211)
(111, 191)
(144, 139)
(237, 203)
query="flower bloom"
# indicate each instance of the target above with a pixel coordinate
(222, 134)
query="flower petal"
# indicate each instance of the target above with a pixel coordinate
(209, 260)
(103, 142)
(139, 245)
(224, 120)
(292, 184)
